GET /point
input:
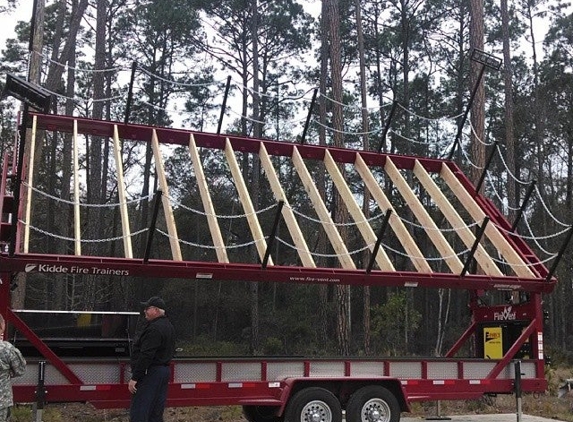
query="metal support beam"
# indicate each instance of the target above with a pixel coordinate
(273, 234)
(156, 203)
(518, 390)
(387, 126)
(130, 93)
(479, 235)
(31, 94)
(466, 112)
(376, 248)
(560, 254)
(486, 167)
(40, 392)
(224, 105)
(18, 181)
(523, 205)
(487, 60)
(308, 116)
(48, 353)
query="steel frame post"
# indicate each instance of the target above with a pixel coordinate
(224, 105)
(18, 181)
(130, 93)
(387, 126)
(308, 116)
(273, 234)
(523, 205)
(486, 60)
(151, 232)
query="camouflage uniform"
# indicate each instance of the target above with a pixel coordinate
(12, 364)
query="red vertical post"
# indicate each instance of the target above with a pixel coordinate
(536, 340)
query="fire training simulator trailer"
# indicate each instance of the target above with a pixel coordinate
(508, 337)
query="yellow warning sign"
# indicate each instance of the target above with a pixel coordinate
(492, 343)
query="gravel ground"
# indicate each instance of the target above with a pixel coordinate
(506, 417)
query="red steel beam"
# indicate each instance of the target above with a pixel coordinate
(43, 348)
(52, 122)
(89, 265)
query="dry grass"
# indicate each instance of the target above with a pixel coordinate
(543, 405)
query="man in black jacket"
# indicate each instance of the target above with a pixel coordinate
(150, 359)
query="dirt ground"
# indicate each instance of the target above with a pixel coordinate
(547, 406)
(87, 413)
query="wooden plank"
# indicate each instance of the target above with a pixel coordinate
(435, 235)
(245, 199)
(509, 254)
(212, 222)
(167, 209)
(77, 225)
(290, 220)
(30, 182)
(364, 227)
(125, 228)
(322, 212)
(482, 257)
(402, 233)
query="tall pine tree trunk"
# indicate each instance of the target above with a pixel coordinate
(321, 180)
(365, 147)
(34, 72)
(509, 132)
(340, 212)
(95, 216)
(478, 107)
(255, 191)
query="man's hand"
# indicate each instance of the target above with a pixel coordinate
(132, 386)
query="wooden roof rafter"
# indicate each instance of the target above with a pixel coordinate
(515, 255)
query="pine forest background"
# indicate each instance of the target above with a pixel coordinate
(361, 56)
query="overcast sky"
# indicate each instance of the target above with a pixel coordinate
(8, 21)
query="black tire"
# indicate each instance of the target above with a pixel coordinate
(313, 404)
(373, 404)
(261, 414)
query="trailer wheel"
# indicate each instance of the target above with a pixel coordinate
(261, 414)
(313, 404)
(373, 404)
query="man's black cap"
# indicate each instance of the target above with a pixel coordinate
(154, 301)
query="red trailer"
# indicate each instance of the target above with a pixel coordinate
(507, 337)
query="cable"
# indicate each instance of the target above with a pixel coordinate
(197, 245)
(58, 199)
(66, 66)
(72, 239)
(177, 83)
(175, 202)
(547, 209)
